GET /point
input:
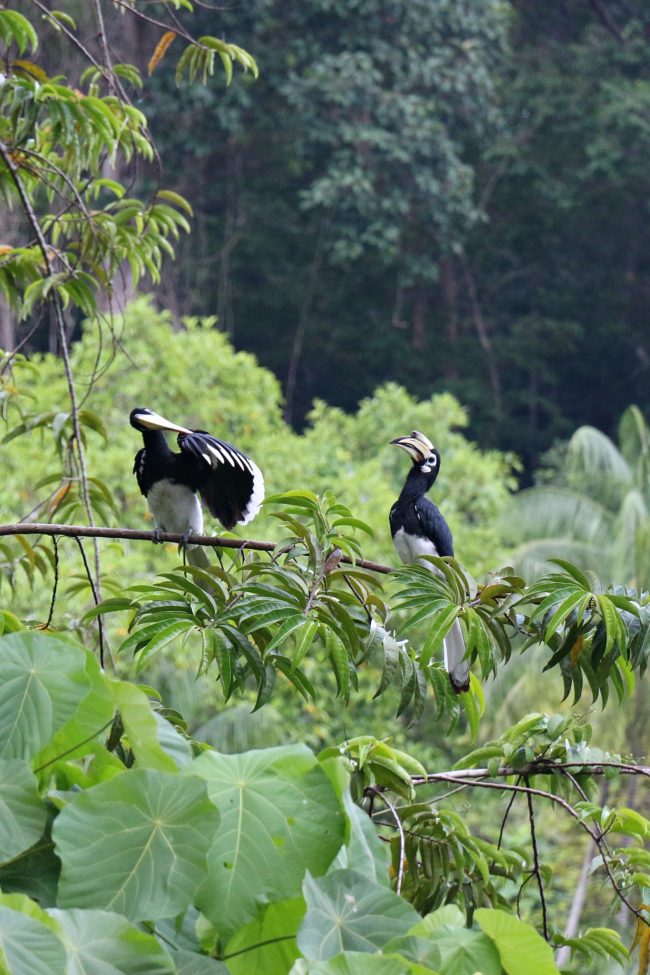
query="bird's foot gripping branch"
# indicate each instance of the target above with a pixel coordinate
(265, 609)
(305, 613)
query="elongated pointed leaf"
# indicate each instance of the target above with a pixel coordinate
(149, 830)
(438, 630)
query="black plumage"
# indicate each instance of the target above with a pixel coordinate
(227, 481)
(418, 529)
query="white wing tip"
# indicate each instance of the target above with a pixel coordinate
(257, 495)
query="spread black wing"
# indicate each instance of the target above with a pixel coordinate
(230, 484)
(434, 526)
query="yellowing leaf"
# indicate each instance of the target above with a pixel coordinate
(576, 651)
(160, 51)
(642, 939)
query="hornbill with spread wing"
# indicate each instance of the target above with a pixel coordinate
(228, 483)
(418, 528)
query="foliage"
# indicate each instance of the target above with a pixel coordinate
(593, 508)
(115, 818)
(267, 845)
(240, 401)
(175, 824)
(56, 141)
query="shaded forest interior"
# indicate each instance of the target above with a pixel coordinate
(450, 195)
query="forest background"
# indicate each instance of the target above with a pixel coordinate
(417, 215)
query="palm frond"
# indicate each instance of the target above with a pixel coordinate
(634, 438)
(592, 452)
(631, 524)
(541, 513)
(238, 729)
(531, 560)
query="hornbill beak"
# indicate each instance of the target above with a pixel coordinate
(417, 446)
(154, 421)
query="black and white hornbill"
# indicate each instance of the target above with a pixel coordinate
(228, 483)
(418, 529)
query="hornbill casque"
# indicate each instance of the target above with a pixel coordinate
(228, 483)
(418, 529)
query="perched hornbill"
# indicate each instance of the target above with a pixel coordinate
(418, 528)
(228, 482)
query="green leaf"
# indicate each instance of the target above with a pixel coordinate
(280, 817)
(103, 943)
(442, 940)
(43, 679)
(22, 813)
(141, 727)
(347, 911)
(29, 942)
(520, 947)
(268, 942)
(338, 656)
(189, 963)
(90, 721)
(357, 963)
(149, 830)
(438, 630)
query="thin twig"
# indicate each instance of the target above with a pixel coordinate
(73, 748)
(597, 837)
(536, 866)
(506, 814)
(400, 830)
(100, 623)
(65, 352)
(56, 583)
(211, 541)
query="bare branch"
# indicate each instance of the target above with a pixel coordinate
(56, 583)
(100, 622)
(211, 541)
(400, 829)
(536, 866)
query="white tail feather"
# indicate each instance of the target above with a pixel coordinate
(454, 657)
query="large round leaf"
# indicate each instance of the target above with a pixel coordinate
(280, 817)
(356, 963)
(268, 942)
(42, 681)
(29, 943)
(89, 722)
(103, 943)
(348, 912)
(136, 844)
(520, 947)
(187, 963)
(442, 941)
(22, 813)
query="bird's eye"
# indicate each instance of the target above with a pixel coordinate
(433, 460)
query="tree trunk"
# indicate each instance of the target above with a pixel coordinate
(420, 316)
(449, 289)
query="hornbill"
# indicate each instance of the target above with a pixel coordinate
(418, 529)
(229, 484)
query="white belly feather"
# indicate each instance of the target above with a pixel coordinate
(411, 547)
(175, 508)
